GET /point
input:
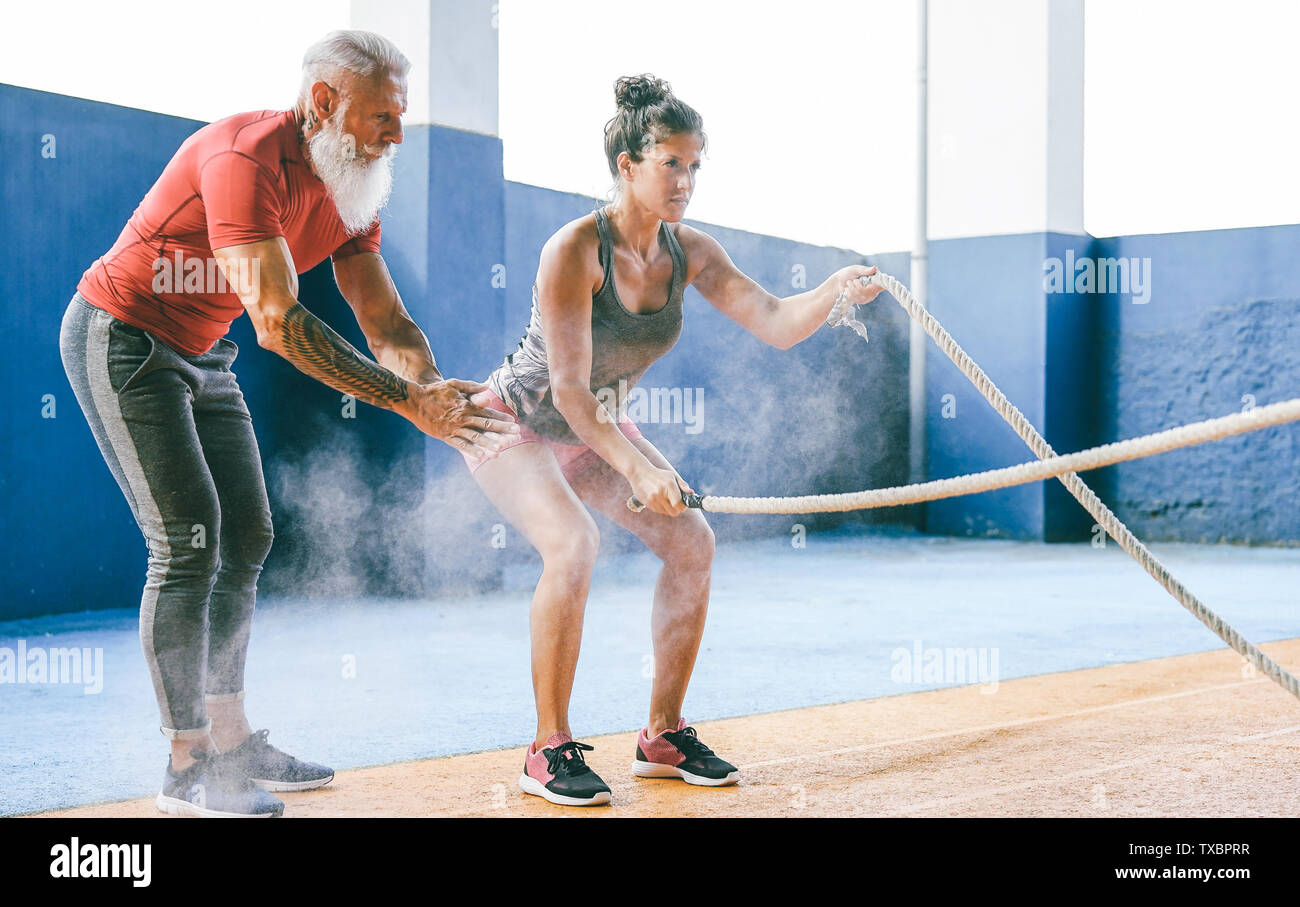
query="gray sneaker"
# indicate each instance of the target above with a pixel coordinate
(271, 769)
(214, 786)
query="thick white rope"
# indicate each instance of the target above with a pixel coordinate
(841, 314)
(1020, 474)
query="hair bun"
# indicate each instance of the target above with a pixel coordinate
(633, 92)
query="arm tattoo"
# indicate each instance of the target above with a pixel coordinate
(316, 350)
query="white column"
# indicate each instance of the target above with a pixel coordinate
(452, 45)
(1006, 117)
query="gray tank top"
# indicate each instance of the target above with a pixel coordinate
(623, 345)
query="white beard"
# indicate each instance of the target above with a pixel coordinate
(358, 185)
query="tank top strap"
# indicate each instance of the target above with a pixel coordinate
(679, 260)
(606, 238)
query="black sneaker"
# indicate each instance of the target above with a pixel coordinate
(561, 774)
(214, 787)
(680, 754)
(271, 769)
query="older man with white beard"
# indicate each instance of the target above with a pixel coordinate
(261, 197)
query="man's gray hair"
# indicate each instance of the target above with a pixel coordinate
(361, 53)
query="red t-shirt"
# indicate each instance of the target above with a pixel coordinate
(238, 180)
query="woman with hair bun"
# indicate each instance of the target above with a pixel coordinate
(599, 320)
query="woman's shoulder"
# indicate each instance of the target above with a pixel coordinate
(573, 248)
(579, 234)
(698, 247)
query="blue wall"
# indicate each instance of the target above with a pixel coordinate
(986, 293)
(1040, 349)
(1071, 389)
(1223, 322)
(1220, 327)
(68, 532)
(366, 505)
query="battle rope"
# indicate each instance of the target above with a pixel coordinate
(1050, 464)
(1023, 473)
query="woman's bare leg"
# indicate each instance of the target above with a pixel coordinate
(685, 546)
(526, 485)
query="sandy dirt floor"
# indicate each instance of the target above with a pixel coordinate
(1193, 735)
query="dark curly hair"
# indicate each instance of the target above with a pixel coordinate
(648, 112)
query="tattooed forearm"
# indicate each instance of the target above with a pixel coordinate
(315, 349)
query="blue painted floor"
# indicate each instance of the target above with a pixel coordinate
(787, 628)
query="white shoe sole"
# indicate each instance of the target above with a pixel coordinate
(530, 785)
(175, 807)
(659, 770)
(292, 785)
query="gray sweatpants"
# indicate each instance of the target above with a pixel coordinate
(176, 433)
